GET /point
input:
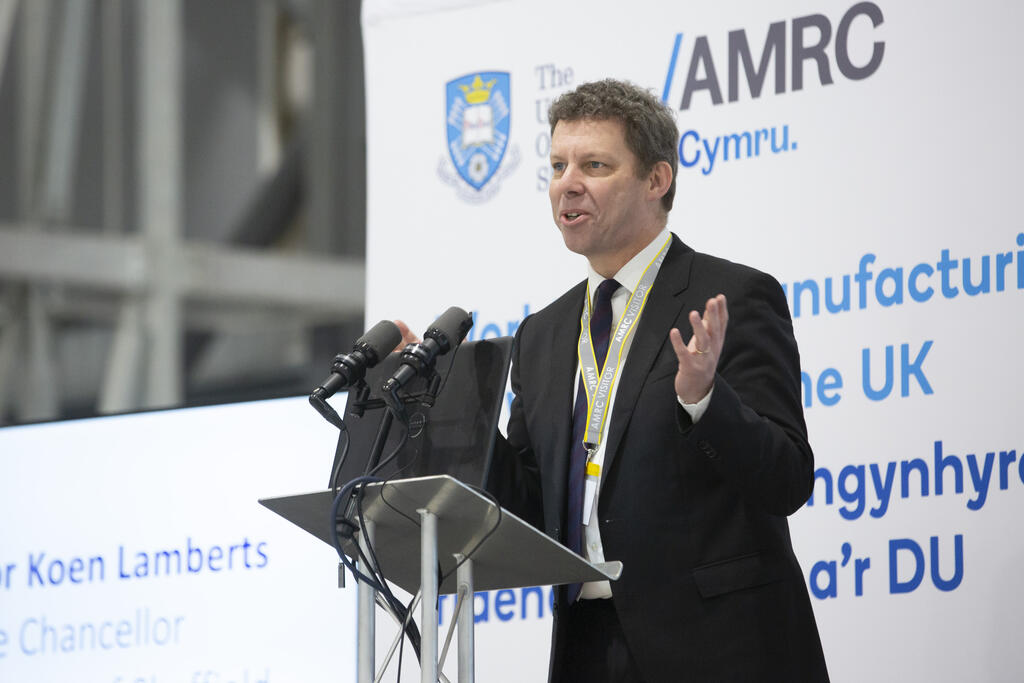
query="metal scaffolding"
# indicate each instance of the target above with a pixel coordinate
(137, 281)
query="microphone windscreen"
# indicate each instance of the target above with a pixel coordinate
(450, 329)
(378, 341)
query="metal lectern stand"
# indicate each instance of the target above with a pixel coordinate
(444, 520)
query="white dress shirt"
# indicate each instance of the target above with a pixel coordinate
(628, 277)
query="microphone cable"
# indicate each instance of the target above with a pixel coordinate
(385, 597)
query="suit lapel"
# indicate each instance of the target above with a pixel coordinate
(663, 306)
(558, 398)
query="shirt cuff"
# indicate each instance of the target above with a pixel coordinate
(696, 410)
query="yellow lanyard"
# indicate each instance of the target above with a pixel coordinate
(599, 389)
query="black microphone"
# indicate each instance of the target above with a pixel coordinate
(349, 368)
(442, 336)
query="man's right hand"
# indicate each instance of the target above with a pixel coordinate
(407, 335)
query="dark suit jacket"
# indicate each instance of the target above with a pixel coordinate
(711, 589)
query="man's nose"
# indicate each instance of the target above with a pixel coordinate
(572, 180)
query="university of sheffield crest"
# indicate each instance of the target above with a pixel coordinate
(478, 126)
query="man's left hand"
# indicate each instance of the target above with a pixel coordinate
(698, 360)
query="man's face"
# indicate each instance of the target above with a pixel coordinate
(604, 211)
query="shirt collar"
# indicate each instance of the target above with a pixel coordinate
(629, 275)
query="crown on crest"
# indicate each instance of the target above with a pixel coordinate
(478, 92)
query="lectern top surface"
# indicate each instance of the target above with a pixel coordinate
(513, 554)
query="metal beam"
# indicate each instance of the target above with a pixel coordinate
(78, 304)
(11, 330)
(113, 117)
(161, 194)
(39, 394)
(201, 272)
(34, 38)
(75, 258)
(218, 273)
(119, 390)
(7, 8)
(268, 140)
(336, 215)
(65, 115)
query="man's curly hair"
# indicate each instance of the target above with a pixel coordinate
(650, 126)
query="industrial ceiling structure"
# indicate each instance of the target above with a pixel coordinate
(182, 201)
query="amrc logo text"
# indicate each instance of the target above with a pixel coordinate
(806, 46)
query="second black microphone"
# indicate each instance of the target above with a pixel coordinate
(442, 336)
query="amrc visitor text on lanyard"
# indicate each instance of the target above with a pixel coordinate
(600, 388)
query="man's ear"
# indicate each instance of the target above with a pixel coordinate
(659, 180)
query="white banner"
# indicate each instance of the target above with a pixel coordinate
(866, 154)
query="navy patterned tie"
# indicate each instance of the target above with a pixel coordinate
(600, 332)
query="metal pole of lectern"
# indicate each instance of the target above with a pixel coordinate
(428, 584)
(464, 574)
(367, 596)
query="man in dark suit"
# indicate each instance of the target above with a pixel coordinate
(695, 451)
